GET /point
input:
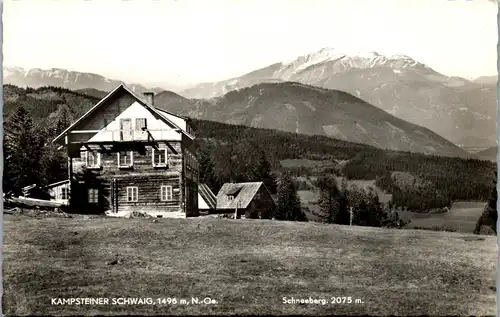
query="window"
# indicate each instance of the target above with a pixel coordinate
(132, 193)
(160, 157)
(93, 159)
(93, 196)
(230, 197)
(166, 193)
(64, 193)
(140, 124)
(125, 159)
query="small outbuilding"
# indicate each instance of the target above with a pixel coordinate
(251, 200)
(59, 192)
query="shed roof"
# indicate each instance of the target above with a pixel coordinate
(58, 183)
(207, 195)
(244, 192)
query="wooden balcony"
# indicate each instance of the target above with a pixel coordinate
(108, 141)
(114, 136)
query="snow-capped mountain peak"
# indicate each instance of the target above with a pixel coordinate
(347, 59)
(330, 54)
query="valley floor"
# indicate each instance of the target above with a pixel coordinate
(247, 266)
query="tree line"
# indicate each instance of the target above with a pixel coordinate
(339, 205)
(29, 156)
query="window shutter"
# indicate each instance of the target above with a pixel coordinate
(89, 158)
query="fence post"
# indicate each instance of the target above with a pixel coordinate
(350, 216)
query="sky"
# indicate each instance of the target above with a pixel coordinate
(175, 43)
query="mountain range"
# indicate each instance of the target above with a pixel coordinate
(461, 110)
(304, 109)
(36, 77)
(288, 106)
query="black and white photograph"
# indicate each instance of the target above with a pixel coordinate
(249, 157)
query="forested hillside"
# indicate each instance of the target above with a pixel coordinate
(230, 152)
(436, 181)
(44, 101)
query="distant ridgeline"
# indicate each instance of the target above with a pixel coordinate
(416, 181)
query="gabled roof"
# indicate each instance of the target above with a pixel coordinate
(207, 195)
(143, 102)
(245, 192)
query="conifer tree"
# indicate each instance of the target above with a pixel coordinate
(332, 202)
(207, 170)
(23, 152)
(263, 172)
(289, 207)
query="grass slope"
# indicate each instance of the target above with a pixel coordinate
(246, 266)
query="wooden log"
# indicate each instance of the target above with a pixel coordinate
(36, 202)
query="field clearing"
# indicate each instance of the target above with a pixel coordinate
(247, 266)
(290, 163)
(309, 199)
(308, 196)
(462, 216)
(312, 196)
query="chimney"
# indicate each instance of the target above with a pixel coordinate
(150, 97)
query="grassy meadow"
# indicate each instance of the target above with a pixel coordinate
(247, 266)
(462, 217)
